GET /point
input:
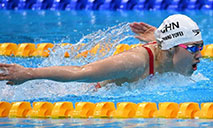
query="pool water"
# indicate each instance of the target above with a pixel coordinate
(109, 123)
(93, 27)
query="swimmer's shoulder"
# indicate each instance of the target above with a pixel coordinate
(138, 56)
(141, 51)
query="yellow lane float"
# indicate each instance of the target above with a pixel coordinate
(8, 49)
(103, 110)
(206, 111)
(66, 54)
(19, 109)
(188, 110)
(146, 110)
(62, 110)
(121, 48)
(4, 108)
(125, 110)
(83, 110)
(207, 50)
(167, 110)
(43, 49)
(25, 50)
(40, 110)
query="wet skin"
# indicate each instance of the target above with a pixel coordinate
(128, 66)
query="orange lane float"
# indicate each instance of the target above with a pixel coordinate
(188, 110)
(62, 110)
(125, 110)
(19, 109)
(167, 110)
(40, 110)
(4, 108)
(83, 110)
(25, 49)
(8, 49)
(43, 49)
(146, 110)
(103, 110)
(206, 111)
(207, 51)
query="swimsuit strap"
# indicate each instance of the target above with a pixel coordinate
(151, 58)
(151, 62)
(98, 85)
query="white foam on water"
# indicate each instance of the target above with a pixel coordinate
(160, 84)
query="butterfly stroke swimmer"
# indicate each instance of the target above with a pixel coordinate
(175, 47)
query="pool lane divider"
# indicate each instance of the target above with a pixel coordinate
(187, 110)
(43, 49)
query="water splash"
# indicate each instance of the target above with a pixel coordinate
(157, 88)
(45, 88)
(106, 39)
(159, 84)
(162, 87)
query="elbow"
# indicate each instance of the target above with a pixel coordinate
(91, 74)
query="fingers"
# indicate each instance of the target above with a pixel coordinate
(140, 38)
(10, 83)
(134, 25)
(138, 26)
(135, 30)
(4, 65)
(152, 29)
(145, 25)
(4, 78)
(3, 71)
(141, 25)
(3, 74)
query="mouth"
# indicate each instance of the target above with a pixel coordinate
(194, 66)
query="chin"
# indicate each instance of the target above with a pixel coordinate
(189, 73)
(186, 73)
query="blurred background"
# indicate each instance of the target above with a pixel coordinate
(106, 4)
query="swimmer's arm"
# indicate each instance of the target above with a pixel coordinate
(145, 32)
(126, 65)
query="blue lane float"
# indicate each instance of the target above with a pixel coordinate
(106, 4)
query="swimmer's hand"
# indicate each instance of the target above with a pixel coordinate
(15, 74)
(144, 31)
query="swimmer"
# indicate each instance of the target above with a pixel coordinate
(173, 47)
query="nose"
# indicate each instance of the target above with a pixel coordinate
(198, 55)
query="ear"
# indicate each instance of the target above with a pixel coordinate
(172, 51)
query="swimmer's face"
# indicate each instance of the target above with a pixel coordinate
(185, 61)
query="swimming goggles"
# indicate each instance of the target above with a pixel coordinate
(192, 48)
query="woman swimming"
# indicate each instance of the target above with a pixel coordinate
(173, 47)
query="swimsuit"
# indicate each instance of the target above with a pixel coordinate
(151, 62)
(151, 58)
